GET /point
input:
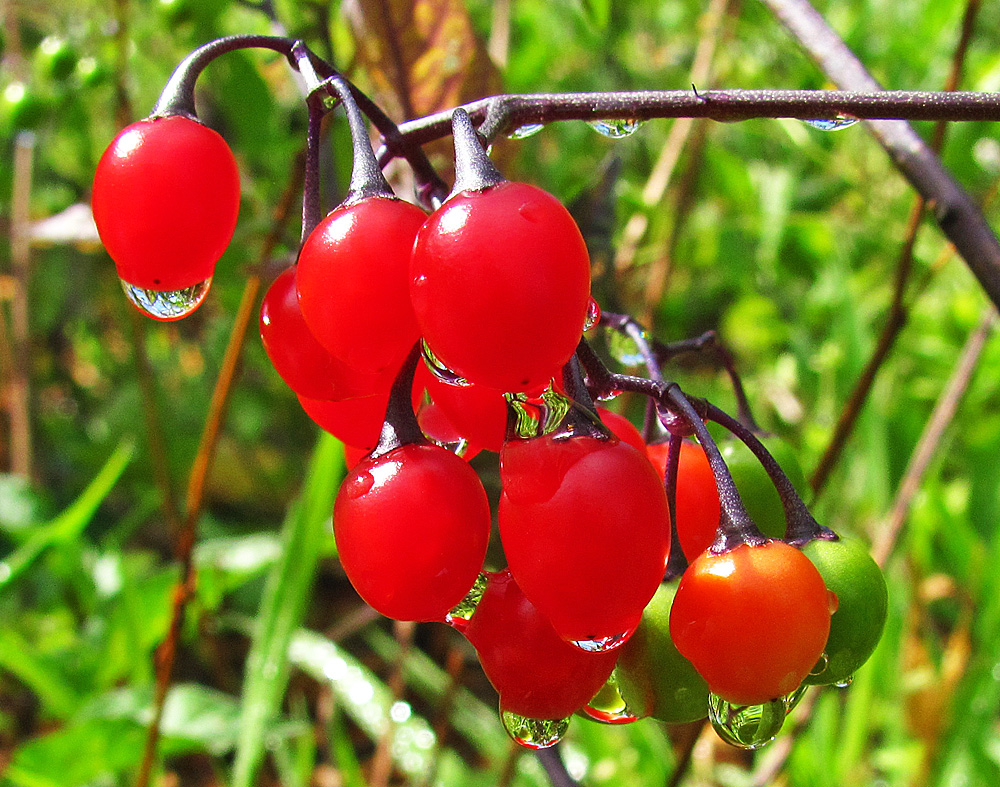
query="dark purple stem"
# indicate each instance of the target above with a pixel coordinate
(497, 114)
(679, 416)
(177, 96)
(367, 180)
(735, 525)
(677, 562)
(582, 419)
(958, 216)
(800, 525)
(473, 169)
(400, 426)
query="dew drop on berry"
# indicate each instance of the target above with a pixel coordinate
(821, 664)
(458, 617)
(533, 212)
(167, 305)
(359, 485)
(593, 315)
(843, 684)
(602, 644)
(533, 733)
(793, 699)
(746, 726)
(608, 707)
(832, 601)
(439, 369)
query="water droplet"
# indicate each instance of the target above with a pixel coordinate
(625, 349)
(359, 485)
(167, 305)
(593, 315)
(843, 684)
(535, 416)
(833, 603)
(793, 699)
(602, 644)
(608, 707)
(821, 664)
(525, 131)
(615, 128)
(533, 733)
(608, 396)
(439, 370)
(833, 124)
(458, 617)
(746, 726)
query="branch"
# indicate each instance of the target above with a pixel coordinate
(506, 112)
(958, 216)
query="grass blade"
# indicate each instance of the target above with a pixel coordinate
(286, 596)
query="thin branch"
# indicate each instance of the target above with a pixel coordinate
(185, 539)
(897, 314)
(957, 214)
(930, 439)
(20, 253)
(502, 113)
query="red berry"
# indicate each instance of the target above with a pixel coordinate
(536, 673)
(584, 525)
(500, 283)
(412, 527)
(753, 620)
(697, 504)
(479, 413)
(622, 428)
(353, 282)
(356, 422)
(305, 365)
(166, 198)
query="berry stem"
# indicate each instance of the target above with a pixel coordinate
(801, 527)
(367, 180)
(676, 562)
(679, 416)
(177, 96)
(473, 169)
(582, 419)
(400, 426)
(735, 525)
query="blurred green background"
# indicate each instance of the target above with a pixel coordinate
(784, 238)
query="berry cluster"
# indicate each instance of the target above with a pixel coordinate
(419, 340)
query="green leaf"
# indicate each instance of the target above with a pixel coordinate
(286, 596)
(81, 754)
(43, 677)
(70, 523)
(367, 700)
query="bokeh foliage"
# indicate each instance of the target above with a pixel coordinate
(783, 237)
